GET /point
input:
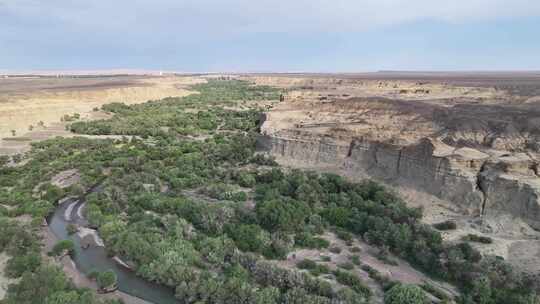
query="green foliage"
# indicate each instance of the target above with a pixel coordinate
(107, 279)
(4, 160)
(263, 160)
(335, 249)
(373, 273)
(285, 215)
(355, 259)
(326, 258)
(434, 291)
(215, 251)
(71, 229)
(63, 247)
(34, 287)
(355, 249)
(346, 265)
(478, 239)
(305, 239)
(405, 294)
(306, 264)
(249, 237)
(446, 225)
(18, 265)
(351, 280)
(344, 235)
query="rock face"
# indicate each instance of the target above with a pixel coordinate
(476, 182)
(480, 158)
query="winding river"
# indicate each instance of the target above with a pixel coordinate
(96, 258)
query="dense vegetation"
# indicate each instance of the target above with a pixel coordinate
(39, 282)
(188, 201)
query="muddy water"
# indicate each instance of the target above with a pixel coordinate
(95, 257)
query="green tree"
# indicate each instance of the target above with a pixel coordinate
(19, 264)
(285, 215)
(36, 286)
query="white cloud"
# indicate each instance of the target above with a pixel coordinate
(240, 16)
(234, 33)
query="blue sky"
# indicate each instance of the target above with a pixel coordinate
(265, 35)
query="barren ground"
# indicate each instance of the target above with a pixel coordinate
(27, 101)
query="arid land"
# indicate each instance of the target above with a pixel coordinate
(38, 104)
(465, 147)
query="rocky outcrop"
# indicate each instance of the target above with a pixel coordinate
(511, 185)
(479, 183)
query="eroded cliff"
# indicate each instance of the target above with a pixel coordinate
(478, 154)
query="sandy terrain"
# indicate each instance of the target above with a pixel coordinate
(21, 144)
(25, 102)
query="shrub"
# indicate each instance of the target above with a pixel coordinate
(239, 196)
(384, 256)
(434, 291)
(319, 269)
(478, 239)
(71, 229)
(405, 294)
(64, 246)
(247, 237)
(263, 160)
(351, 280)
(446, 225)
(93, 274)
(305, 239)
(335, 249)
(326, 258)
(246, 179)
(346, 265)
(355, 259)
(355, 249)
(373, 273)
(344, 235)
(107, 279)
(306, 264)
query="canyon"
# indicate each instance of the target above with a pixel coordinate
(463, 147)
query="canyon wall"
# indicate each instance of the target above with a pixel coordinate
(476, 182)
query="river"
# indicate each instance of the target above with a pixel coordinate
(96, 258)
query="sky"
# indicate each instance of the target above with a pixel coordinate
(270, 36)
